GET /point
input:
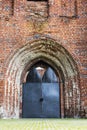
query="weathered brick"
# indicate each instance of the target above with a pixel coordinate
(55, 32)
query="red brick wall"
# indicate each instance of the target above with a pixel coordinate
(65, 23)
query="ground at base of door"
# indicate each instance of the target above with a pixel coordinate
(43, 124)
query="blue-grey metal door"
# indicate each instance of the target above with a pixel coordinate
(51, 105)
(50, 92)
(41, 95)
(32, 93)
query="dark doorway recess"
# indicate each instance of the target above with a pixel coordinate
(41, 93)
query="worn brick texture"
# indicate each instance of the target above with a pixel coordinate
(53, 31)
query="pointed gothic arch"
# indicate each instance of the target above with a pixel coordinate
(64, 65)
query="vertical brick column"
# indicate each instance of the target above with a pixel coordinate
(62, 99)
(54, 8)
(6, 8)
(68, 8)
(19, 8)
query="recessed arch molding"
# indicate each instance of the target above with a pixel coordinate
(56, 56)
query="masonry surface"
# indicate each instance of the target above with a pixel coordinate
(53, 31)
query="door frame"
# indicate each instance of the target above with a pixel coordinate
(58, 74)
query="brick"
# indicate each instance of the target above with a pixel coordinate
(55, 32)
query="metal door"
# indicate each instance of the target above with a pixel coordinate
(31, 95)
(50, 94)
(41, 95)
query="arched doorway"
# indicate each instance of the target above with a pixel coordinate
(41, 93)
(54, 54)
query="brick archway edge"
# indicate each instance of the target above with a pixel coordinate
(55, 55)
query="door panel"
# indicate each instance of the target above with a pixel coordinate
(51, 103)
(49, 76)
(33, 76)
(31, 100)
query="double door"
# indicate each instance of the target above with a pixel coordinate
(41, 95)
